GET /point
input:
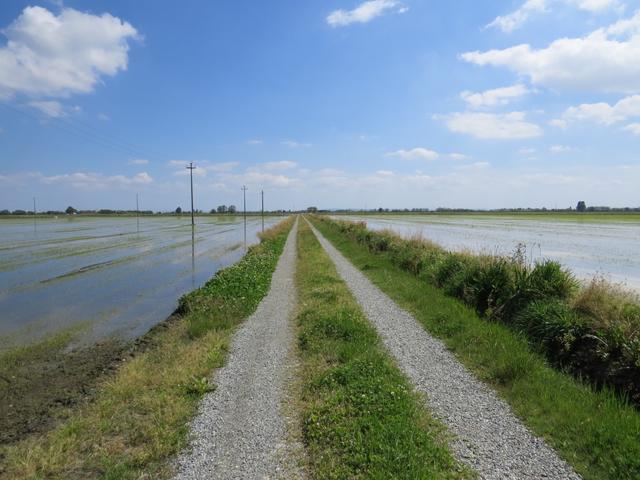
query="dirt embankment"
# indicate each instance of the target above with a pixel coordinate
(41, 385)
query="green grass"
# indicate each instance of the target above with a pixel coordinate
(139, 417)
(360, 416)
(597, 433)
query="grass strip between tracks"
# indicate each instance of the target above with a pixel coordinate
(592, 430)
(139, 417)
(360, 416)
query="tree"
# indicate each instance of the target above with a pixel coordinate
(232, 209)
(70, 210)
(222, 209)
(581, 207)
(179, 210)
(312, 209)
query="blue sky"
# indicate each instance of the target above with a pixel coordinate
(338, 103)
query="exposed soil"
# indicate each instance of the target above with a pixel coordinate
(43, 386)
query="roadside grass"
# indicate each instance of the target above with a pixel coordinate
(139, 418)
(595, 431)
(360, 416)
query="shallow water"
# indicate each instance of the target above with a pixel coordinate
(103, 276)
(608, 249)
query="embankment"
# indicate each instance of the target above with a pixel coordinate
(137, 417)
(593, 429)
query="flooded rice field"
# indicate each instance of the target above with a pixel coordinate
(588, 248)
(106, 277)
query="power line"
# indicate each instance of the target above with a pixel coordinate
(88, 133)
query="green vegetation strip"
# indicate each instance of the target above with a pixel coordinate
(139, 418)
(594, 431)
(360, 416)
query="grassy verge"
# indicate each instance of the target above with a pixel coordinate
(360, 417)
(139, 417)
(593, 332)
(594, 431)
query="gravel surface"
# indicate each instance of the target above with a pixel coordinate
(240, 431)
(487, 435)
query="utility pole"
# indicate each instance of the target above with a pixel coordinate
(191, 168)
(137, 214)
(244, 210)
(262, 195)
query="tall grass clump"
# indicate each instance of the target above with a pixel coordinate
(592, 332)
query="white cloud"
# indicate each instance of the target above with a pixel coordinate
(59, 55)
(527, 151)
(418, 153)
(604, 113)
(103, 117)
(597, 62)
(254, 141)
(458, 156)
(294, 144)
(88, 180)
(556, 149)
(282, 165)
(53, 108)
(494, 97)
(514, 20)
(633, 128)
(627, 26)
(492, 125)
(365, 12)
(558, 123)
(139, 161)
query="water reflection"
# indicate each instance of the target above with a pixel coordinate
(103, 273)
(606, 249)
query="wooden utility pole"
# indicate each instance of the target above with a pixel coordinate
(244, 213)
(191, 168)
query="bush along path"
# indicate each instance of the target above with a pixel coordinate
(138, 419)
(240, 431)
(488, 436)
(360, 417)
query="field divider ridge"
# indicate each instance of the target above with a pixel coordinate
(487, 435)
(240, 430)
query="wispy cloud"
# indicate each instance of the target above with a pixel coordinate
(557, 149)
(418, 153)
(52, 108)
(500, 126)
(494, 97)
(254, 141)
(138, 161)
(294, 144)
(514, 20)
(365, 12)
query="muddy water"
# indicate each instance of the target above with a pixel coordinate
(104, 276)
(609, 249)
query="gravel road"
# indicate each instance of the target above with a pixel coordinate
(240, 431)
(487, 435)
